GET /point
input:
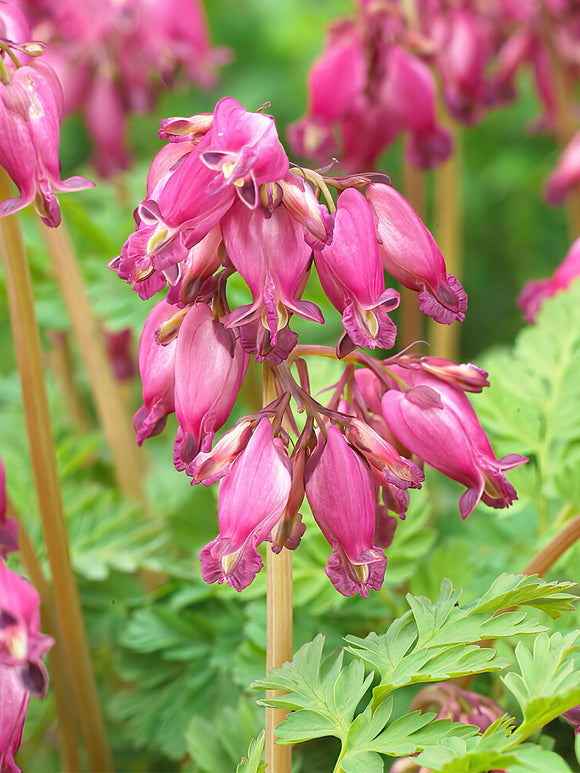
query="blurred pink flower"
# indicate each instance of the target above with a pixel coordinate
(535, 292)
(30, 117)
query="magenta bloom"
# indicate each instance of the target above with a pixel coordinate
(535, 292)
(209, 369)
(566, 177)
(30, 114)
(436, 421)
(343, 499)
(244, 150)
(22, 671)
(410, 255)
(252, 499)
(351, 274)
(410, 93)
(272, 257)
(157, 370)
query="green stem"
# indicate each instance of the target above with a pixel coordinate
(43, 459)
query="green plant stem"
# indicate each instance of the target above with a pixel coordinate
(128, 462)
(60, 681)
(278, 627)
(43, 459)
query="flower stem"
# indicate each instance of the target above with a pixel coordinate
(279, 627)
(60, 680)
(117, 427)
(549, 554)
(448, 216)
(43, 459)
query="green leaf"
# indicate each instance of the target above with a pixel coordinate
(254, 762)
(328, 693)
(549, 682)
(436, 641)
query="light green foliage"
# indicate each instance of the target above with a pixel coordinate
(253, 764)
(533, 406)
(432, 641)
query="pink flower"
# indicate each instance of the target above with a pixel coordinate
(251, 501)
(409, 91)
(119, 345)
(21, 669)
(244, 150)
(436, 421)
(410, 255)
(29, 131)
(351, 274)
(535, 292)
(157, 370)
(343, 499)
(209, 369)
(566, 177)
(272, 257)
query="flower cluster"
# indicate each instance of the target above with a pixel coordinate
(31, 105)
(114, 57)
(377, 76)
(22, 646)
(223, 198)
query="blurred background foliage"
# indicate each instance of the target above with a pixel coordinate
(174, 657)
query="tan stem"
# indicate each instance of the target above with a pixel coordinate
(444, 339)
(60, 681)
(279, 628)
(60, 363)
(128, 461)
(43, 459)
(549, 554)
(411, 317)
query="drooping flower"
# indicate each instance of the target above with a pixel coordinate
(210, 366)
(436, 422)
(22, 671)
(535, 292)
(157, 370)
(342, 495)
(251, 501)
(272, 257)
(410, 254)
(351, 275)
(30, 117)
